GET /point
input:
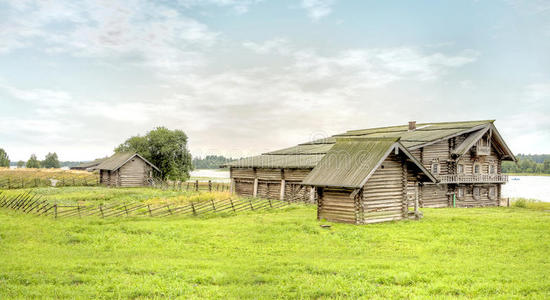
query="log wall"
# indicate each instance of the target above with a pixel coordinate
(270, 183)
(336, 205)
(134, 173)
(383, 198)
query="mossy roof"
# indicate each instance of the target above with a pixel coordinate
(309, 152)
(352, 161)
(116, 161)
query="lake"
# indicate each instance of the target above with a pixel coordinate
(534, 187)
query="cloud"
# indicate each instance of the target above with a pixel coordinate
(142, 32)
(317, 9)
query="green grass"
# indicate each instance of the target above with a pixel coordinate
(485, 252)
(530, 203)
(527, 174)
(104, 195)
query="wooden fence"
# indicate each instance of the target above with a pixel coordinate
(196, 185)
(32, 182)
(32, 204)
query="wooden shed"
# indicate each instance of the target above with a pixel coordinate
(365, 180)
(126, 170)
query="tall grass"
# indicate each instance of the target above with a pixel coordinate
(530, 203)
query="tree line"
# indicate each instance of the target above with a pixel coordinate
(210, 161)
(528, 163)
(50, 161)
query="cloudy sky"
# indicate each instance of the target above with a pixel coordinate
(242, 77)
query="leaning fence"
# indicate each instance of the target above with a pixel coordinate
(208, 186)
(33, 182)
(31, 203)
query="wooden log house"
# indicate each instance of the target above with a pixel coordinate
(126, 170)
(464, 158)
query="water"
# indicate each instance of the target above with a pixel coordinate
(533, 187)
(215, 175)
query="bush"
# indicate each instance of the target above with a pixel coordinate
(522, 203)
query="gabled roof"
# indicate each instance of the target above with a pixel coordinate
(352, 161)
(116, 161)
(89, 164)
(425, 134)
(498, 143)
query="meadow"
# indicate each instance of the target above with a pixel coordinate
(483, 252)
(30, 178)
(87, 195)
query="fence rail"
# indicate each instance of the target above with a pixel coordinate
(196, 185)
(32, 182)
(31, 203)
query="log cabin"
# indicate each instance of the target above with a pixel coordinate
(126, 170)
(450, 164)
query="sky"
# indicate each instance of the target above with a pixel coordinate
(242, 77)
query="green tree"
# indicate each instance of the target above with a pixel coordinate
(51, 161)
(546, 166)
(166, 149)
(33, 162)
(20, 164)
(4, 159)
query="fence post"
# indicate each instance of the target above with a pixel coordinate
(196, 185)
(78, 208)
(210, 185)
(233, 207)
(193, 207)
(213, 206)
(169, 210)
(508, 202)
(36, 182)
(55, 210)
(251, 207)
(73, 182)
(149, 208)
(126, 209)
(270, 205)
(101, 209)
(63, 180)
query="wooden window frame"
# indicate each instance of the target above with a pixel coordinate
(492, 169)
(460, 193)
(474, 169)
(478, 194)
(437, 167)
(492, 192)
(459, 167)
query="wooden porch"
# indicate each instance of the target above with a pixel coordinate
(477, 178)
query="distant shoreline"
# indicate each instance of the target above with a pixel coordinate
(527, 174)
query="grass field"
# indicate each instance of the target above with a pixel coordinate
(485, 252)
(17, 178)
(105, 195)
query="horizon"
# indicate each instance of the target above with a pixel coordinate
(243, 77)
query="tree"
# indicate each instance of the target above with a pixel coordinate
(33, 162)
(546, 166)
(4, 159)
(166, 149)
(20, 164)
(51, 161)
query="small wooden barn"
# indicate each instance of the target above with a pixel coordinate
(126, 170)
(365, 180)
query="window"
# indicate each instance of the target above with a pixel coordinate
(460, 192)
(492, 169)
(435, 168)
(492, 192)
(460, 169)
(477, 168)
(476, 192)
